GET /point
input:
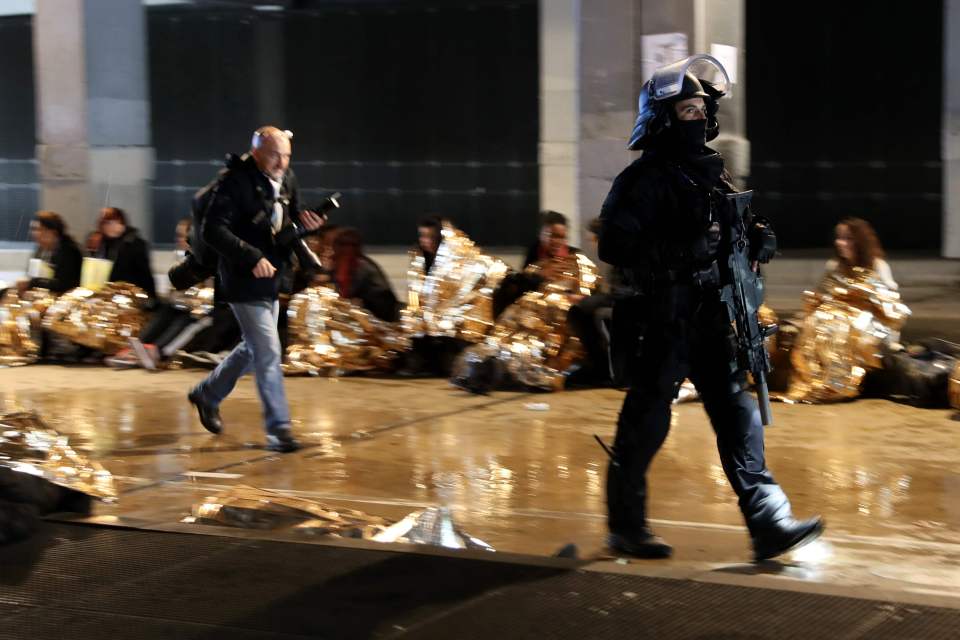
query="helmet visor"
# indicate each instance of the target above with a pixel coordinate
(667, 82)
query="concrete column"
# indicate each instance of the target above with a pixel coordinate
(608, 100)
(950, 149)
(93, 115)
(593, 60)
(560, 109)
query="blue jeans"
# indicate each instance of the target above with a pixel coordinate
(259, 351)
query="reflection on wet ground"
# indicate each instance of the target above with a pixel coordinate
(885, 476)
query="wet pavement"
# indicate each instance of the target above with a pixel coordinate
(523, 472)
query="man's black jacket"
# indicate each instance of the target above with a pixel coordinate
(238, 227)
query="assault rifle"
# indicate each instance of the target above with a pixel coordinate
(742, 292)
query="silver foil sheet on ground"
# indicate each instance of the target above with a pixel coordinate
(28, 445)
(252, 508)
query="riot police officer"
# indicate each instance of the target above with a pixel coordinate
(661, 227)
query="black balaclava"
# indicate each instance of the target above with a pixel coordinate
(689, 135)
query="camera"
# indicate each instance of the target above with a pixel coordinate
(189, 272)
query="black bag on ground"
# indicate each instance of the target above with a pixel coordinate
(919, 376)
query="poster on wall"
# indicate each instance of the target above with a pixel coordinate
(659, 49)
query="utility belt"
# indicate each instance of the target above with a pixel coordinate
(649, 282)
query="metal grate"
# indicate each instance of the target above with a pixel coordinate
(88, 582)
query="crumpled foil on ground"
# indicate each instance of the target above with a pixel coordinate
(433, 526)
(28, 445)
(198, 301)
(21, 325)
(455, 300)
(102, 320)
(532, 341)
(252, 508)
(330, 335)
(849, 323)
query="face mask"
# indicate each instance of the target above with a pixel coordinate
(179, 254)
(692, 134)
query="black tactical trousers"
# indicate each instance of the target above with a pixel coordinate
(701, 349)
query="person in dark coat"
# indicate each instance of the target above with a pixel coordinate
(663, 225)
(58, 251)
(254, 224)
(117, 241)
(358, 278)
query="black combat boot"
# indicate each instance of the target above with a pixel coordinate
(788, 534)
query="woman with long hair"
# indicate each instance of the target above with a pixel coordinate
(857, 246)
(851, 320)
(357, 277)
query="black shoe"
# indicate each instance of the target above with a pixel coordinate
(643, 544)
(794, 534)
(209, 414)
(282, 442)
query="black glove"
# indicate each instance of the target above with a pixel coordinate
(762, 239)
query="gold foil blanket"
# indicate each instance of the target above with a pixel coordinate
(849, 322)
(28, 445)
(532, 338)
(455, 299)
(21, 326)
(103, 320)
(331, 335)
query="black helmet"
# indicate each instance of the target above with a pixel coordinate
(669, 85)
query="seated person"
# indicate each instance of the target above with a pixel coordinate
(116, 241)
(547, 253)
(851, 320)
(533, 344)
(450, 286)
(347, 324)
(188, 321)
(356, 277)
(428, 240)
(54, 269)
(57, 252)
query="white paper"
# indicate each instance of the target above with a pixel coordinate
(95, 272)
(37, 268)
